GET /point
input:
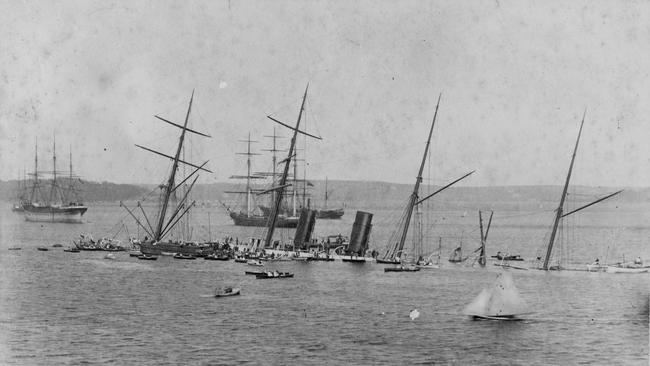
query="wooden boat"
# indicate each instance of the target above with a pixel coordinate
(395, 250)
(216, 257)
(135, 253)
(147, 257)
(351, 259)
(15, 248)
(559, 212)
(184, 256)
(167, 216)
(72, 250)
(388, 261)
(503, 257)
(502, 318)
(253, 272)
(241, 260)
(321, 258)
(257, 263)
(42, 249)
(225, 292)
(57, 245)
(402, 269)
(269, 275)
(622, 269)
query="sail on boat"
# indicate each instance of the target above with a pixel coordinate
(60, 203)
(168, 217)
(329, 213)
(501, 301)
(394, 254)
(559, 212)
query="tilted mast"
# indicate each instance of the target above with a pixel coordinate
(163, 228)
(414, 196)
(35, 185)
(283, 180)
(558, 212)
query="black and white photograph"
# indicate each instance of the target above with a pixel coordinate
(320, 182)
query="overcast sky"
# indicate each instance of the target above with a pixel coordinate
(515, 78)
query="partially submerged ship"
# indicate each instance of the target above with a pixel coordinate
(157, 242)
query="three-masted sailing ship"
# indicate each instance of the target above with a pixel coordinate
(394, 253)
(52, 200)
(168, 217)
(256, 215)
(559, 212)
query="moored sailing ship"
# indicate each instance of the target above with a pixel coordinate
(59, 204)
(329, 213)
(255, 216)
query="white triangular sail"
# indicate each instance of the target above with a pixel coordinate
(502, 299)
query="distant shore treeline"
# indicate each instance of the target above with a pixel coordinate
(371, 194)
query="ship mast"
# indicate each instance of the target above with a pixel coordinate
(274, 152)
(35, 185)
(283, 180)
(53, 187)
(248, 154)
(414, 196)
(558, 211)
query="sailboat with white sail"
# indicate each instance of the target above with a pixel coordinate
(501, 301)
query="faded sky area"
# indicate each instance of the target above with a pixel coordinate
(515, 78)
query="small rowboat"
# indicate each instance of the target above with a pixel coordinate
(253, 272)
(42, 249)
(401, 269)
(184, 256)
(616, 269)
(225, 292)
(146, 257)
(264, 275)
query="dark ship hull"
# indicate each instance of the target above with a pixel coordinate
(330, 214)
(172, 248)
(49, 213)
(241, 219)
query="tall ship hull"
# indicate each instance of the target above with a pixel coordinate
(241, 219)
(56, 214)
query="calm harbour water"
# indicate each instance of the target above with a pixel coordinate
(73, 308)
